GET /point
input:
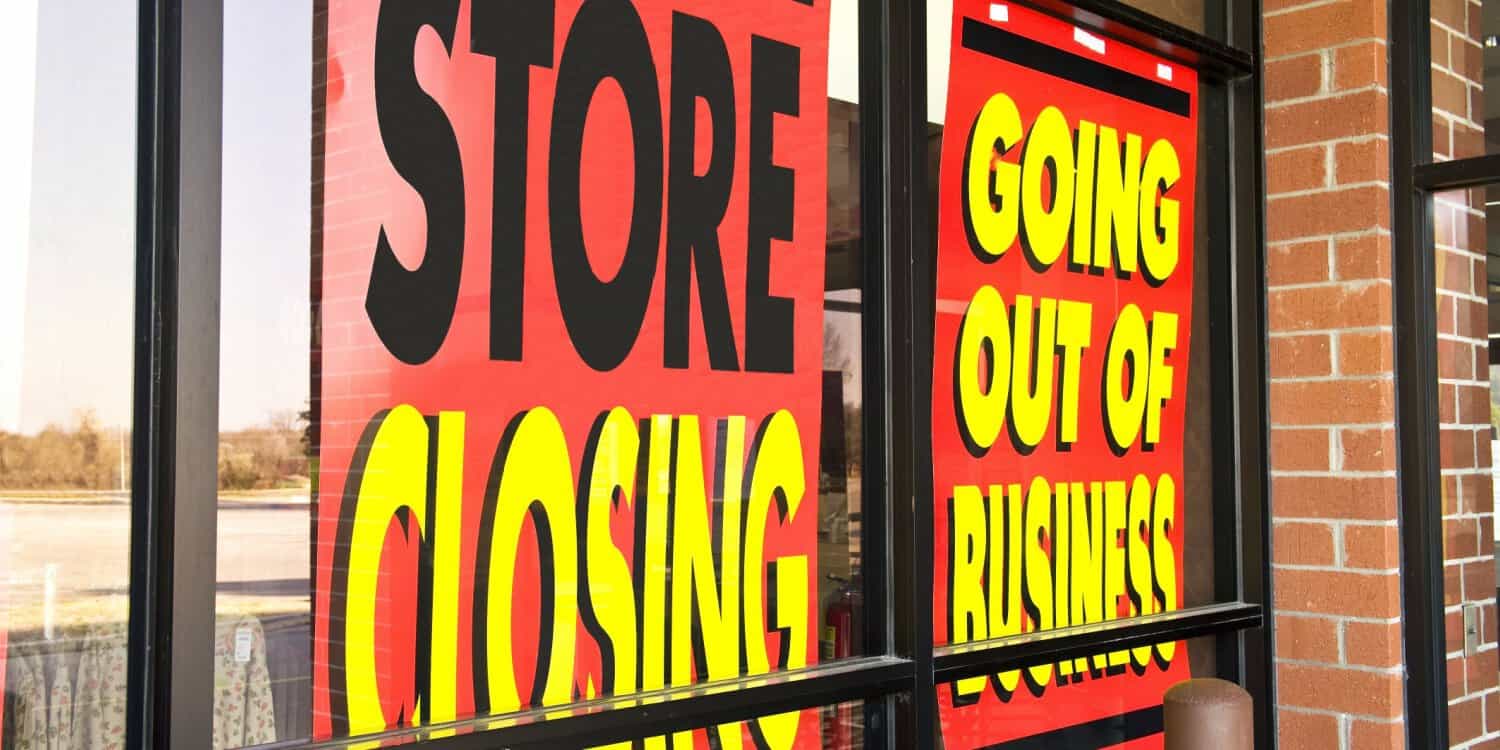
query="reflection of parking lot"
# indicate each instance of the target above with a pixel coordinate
(71, 557)
(67, 560)
(75, 552)
(65, 563)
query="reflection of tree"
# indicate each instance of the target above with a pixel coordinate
(82, 456)
(305, 418)
(838, 357)
(272, 456)
(835, 353)
(854, 438)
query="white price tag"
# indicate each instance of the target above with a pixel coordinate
(242, 641)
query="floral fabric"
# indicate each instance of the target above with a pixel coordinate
(69, 694)
(25, 704)
(98, 715)
(244, 714)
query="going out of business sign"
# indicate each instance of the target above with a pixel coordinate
(571, 342)
(1064, 296)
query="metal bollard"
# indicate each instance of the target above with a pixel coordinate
(1207, 714)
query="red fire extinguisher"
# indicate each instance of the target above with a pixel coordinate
(841, 629)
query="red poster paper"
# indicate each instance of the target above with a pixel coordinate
(571, 338)
(1064, 227)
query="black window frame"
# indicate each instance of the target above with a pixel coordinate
(1416, 179)
(171, 621)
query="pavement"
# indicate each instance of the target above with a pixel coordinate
(66, 560)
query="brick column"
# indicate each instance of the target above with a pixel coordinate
(1333, 464)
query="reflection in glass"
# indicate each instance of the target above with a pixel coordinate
(1466, 416)
(1054, 526)
(289, 180)
(1491, 282)
(1197, 446)
(1465, 59)
(1105, 712)
(262, 611)
(67, 247)
(837, 727)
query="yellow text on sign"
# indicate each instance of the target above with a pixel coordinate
(713, 570)
(1088, 185)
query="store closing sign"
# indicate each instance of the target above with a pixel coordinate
(1064, 297)
(570, 355)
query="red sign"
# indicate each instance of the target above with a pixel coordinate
(571, 354)
(1064, 302)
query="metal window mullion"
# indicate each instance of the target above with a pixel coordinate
(877, 532)
(1217, 256)
(1418, 472)
(1415, 344)
(1474, 171)
(626, 718)
(144, 542)
(957, 661)
(174, 485)
(1251, 372)
(907, 326)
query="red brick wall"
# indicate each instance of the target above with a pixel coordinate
(1463, 378)
(1335, 544)
(1333, 481)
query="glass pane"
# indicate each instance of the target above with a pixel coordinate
(1078, 704)
(1194, 15)
(1465, 449)
(530, 390)
(1189, 14)
(836, 727)
(1464, 61)
(841, 726)
(67, 306)
(1073, 387)
(1491, 365)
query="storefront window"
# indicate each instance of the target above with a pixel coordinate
(67, 302)
(1189, 14)
(1073, 460)
(1465, 443)
(1489, 278)
(542, 357)
(1465, 44)
(572, 375)
(1193, 15)
(263, 608)
(836, 727)
(1113, 718)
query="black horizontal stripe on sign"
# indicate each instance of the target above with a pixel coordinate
(1092, 735)
(1004, 45)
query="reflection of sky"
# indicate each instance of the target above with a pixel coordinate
(843, 50)
(18, 77)
(73, 266)
(78, 268)
(74, 338)
(263, 363)
(843, 344)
